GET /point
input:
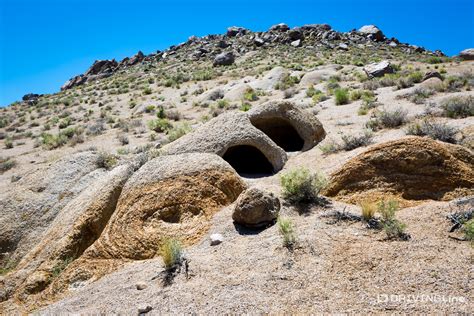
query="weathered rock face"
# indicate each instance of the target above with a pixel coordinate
(269, 81)
(412, 168)
(224, 59)
(316, 76)
(256, 208)
(378, 69)
(372, 32)
(467, 54)
(254, 142)
(99, 69)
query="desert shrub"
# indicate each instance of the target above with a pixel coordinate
(434, 130)
(389, 119)
(299, 186)
(371, 85)
(458, 107)
(106, 160)
(419, 95)
(159, 125)
(368, 210)
(64, 123)
(319, 96)
(289, 93)
(287, 230)
(250, 95)
(8, 266)
(222, 104)
(173, 115)
(203, 75)
(394, 229)
(434, 60)
(171, 252)
(8, 142)
(415, 77)
(404, 82)
(329, 147)
(245, 106)
(389, 80)
(286, 82)
(468, 229)
(123, 139)
(350, 142)
(6, 164)
(311, 91)
(96, 129)
(50, 141)
(341, 96)
(178, 130)
(149, 108)
(147, 91)
(60, 266)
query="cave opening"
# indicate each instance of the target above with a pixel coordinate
(248, 161)
(281, 132)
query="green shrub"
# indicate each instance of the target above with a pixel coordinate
(171, 252)
(394, 229)
(222, 104)
(178, 130)
(299, 186)
(147, 91)
(468, 229)
(64, 123)
(415, 77)
(287, 230)
(50, 141)
(389, 119)
(6, 164)
(250, 95)
(419, 95)
(341, 96)
(311, 91)
(8, 143)
(149, 108)
(245, 106)
(159, 125)
(458, 107)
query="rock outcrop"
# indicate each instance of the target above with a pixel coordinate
(467, 54)
(224, 59)
(254, 142)
(378, 69)
(412, 168)
(372, 32)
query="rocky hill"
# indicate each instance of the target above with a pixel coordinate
(297, 170)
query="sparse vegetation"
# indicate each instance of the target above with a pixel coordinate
(368, 210)
(350, 142)
(287, 230)
(341, 96)
(458, 107)
(171, 252)
(394, 229)
(388, 119)
(106, 160)
(6, 164)
(433, 129)
(178, 130)
(468, 229)
(300, 186)
(159, 125)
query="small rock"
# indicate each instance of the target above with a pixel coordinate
(296, 43)
(432, 74)
(259, 41)
(378, 69)
(343, 46)
(144, 310)
(141, 286)
(393, 44)
(256, 208)
(216, 239)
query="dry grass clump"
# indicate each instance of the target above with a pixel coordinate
(171, 252)
(368, 210)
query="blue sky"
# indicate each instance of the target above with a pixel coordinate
(45, 42)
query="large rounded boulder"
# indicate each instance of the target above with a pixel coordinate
(412, 168)
(256, 208)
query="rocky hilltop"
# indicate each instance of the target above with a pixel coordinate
(296, 170)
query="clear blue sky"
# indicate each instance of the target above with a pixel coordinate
(45, 42)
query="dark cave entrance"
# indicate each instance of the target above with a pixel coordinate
(248, 161)
(281, 132)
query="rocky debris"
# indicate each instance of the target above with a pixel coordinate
(254, 142)
(378, 69)
(372, 32)
(467, 54)
(393, 44)
(411, 168)
(432, 74)
(136, 59)
(224, 59)
(295, 34)
(236, 30)
(281, 27)
(256, 208)
(343, 46)
(144, 310)
(216, 239)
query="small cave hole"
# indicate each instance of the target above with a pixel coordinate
(248, 161)
(281, 132)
